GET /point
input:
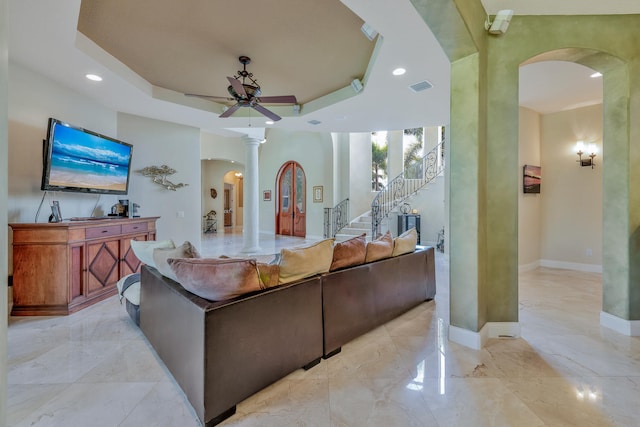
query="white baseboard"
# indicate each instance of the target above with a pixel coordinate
(588, 268)
(528, 267)
(465, 337)
(629, 328)
(477, 340)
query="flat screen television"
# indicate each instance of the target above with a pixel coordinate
(79, 160)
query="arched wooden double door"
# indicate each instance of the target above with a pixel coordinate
(291, 210)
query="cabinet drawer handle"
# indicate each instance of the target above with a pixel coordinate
(135, 228)
(105, 231)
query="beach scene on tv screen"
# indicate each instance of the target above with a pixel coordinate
(82, 160)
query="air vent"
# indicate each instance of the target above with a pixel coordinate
(420, 86)
(314, 122)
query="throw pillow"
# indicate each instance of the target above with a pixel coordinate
(216, 279)
(298, 263)
(161, 255)
(349, 253)
(380, 248)
(143, 249)
(269, 274)
(405, 243)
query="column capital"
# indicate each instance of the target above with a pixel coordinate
(251, 140)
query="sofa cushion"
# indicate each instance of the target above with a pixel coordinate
(216, 279)
(405, 243)
(298, 263)
(380, 248)
(349, 253)
(269, 274)
(161, 255)
(143, 249)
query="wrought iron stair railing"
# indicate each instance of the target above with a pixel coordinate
(405, 185)
(336, 218)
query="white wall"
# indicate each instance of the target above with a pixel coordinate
(4, 150)
(571, 208)
(360, 194)
(162, 143)
(339, 191)
(216, 147)
(314, 152)
(430, 204)
(32, 100)
(395, 153)
(529, 231)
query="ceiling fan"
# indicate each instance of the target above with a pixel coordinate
(247, 94)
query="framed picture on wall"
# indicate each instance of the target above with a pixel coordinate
(266, 195)
(531, 178)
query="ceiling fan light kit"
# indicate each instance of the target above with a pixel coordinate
(246, 93)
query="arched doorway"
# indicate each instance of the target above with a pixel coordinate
(291, 209)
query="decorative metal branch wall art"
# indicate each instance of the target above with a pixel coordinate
(159, 175)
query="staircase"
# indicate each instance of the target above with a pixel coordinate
(417, 176)
(405, 185)
(361, 224)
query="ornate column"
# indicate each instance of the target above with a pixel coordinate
(250, 215)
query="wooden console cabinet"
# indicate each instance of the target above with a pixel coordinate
(60, 268)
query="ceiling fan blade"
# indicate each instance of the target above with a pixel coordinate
(273, 116)
(209, 97)
(284, 99)
(237, 86)
(230, 111)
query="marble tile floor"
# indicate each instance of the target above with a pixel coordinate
(95, 368)
(228, 241)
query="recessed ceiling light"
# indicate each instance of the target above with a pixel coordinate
(596, 75)
(399, 71)
(94, 77)
(269, 122)
(314, 122)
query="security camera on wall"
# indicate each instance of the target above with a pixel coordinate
(500, 22)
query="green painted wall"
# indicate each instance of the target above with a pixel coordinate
(613, 50)
(484, 150)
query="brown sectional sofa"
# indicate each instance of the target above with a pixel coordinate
(358, 299)
(223, 352)
(220, 353)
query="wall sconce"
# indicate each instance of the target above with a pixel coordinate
(590, 151)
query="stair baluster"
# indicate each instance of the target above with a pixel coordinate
(336, 218)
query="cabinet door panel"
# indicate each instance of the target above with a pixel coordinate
(102, 268)
(40, 275)
(130, 263)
